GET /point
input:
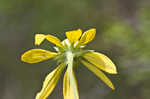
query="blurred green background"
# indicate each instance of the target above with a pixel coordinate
(123, 28)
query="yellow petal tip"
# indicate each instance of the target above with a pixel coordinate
(88, 36)
(112, 71)
(39, 38)
(93, 29)
(113, 88)
(73, 36)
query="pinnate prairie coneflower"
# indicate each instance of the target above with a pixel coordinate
(68, 52)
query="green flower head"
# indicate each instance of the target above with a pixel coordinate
(68, 52)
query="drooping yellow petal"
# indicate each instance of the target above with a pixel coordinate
(54, 40)
(37, 55)
(39, 38)
(87, 36)
(73, 36)
(101, 61)
(67, 92)
(70, 90)
(99, 74)
(66, 86)
(50, 82)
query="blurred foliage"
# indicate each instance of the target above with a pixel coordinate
(122, 34)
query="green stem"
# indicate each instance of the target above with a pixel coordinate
(70, 57)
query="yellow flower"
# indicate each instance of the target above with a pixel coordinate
(68, 52)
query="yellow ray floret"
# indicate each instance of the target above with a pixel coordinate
(73, 36)
(70, 52)
(70, 90)
(87, 36)
(50, 82)
(54, 40)
(37, 55)
(39, 38)
(101, 61)
(99, 74)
